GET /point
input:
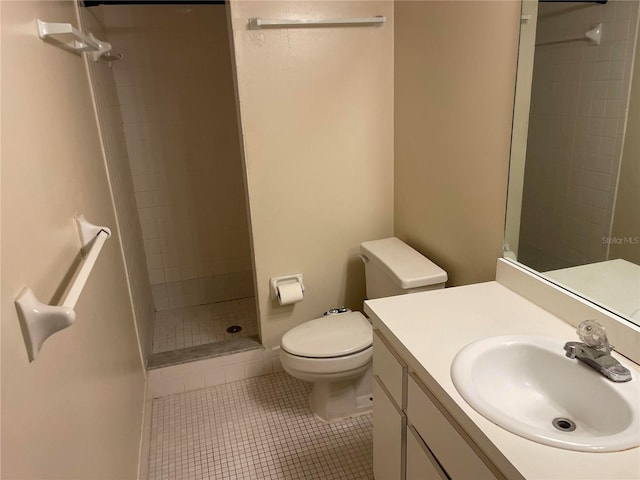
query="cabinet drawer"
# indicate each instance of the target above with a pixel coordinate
(389, 427)
(390, 369)
(454, 453)
(421, 464)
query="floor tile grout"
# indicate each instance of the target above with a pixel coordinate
(259, 428)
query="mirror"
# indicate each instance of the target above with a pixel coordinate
(573, 208)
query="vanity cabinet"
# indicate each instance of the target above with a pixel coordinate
(388, 435)
(389, 418)
(455, 452)
(414, 437)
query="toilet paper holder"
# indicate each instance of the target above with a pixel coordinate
(275, 281)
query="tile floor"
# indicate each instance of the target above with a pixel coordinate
(203, 324)
(258, 429)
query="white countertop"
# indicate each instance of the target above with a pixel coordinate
(428, 329)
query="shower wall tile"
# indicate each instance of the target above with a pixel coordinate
(180, 126)
(122, 185)
(580, 97)
(201, 290)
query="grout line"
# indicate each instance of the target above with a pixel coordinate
(255, 428)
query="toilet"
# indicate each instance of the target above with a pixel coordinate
(334, 351)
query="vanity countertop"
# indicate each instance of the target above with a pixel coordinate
(428, 329)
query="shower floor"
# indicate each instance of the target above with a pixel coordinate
(188, 327)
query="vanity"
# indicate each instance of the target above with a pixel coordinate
(424, 428)
(572, 237)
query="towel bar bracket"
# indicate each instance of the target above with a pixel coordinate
(39, 321)
(89, 232)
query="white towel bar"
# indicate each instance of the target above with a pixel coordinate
(39, 320)
(258, 23)
(67, 37)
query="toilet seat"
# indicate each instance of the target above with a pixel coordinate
(332, 336)
(320, 369)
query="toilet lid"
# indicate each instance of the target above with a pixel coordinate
(331, 336)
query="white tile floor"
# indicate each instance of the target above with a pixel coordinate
(258, 429)
(203, 324)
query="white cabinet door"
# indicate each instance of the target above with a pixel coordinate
(421, 464)
(389, 426)
(455, 453)
(390, 368)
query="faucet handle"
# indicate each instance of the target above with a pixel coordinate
(594, 335)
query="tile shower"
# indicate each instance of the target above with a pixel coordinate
(576, 168)
(174, 90)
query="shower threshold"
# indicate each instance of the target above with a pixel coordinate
(199, 352)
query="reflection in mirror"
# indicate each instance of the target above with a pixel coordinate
(573, 211)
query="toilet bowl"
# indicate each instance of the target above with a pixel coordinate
(334, 352)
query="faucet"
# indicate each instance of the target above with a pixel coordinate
(595, 351)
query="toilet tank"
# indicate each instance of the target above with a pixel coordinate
(393, 268)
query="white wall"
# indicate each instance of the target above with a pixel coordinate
(317, 119)
(76, 411)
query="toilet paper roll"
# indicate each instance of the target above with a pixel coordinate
(290, 292)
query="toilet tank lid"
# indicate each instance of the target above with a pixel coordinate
(406, 266)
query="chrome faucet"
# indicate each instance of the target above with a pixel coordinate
(595, 351)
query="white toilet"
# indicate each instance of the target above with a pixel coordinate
(334, 351)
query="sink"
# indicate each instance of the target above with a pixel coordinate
(527, 386)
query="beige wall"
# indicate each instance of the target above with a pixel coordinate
(117, 161)
(317, 118)
(626, 218)
(455, 68)
(175, 89)
(76, 411)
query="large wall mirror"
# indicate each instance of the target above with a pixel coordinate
(573, 210)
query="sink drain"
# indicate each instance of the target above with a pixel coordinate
(564, 424)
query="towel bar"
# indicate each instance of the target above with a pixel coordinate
(39, 320)
(259, 23)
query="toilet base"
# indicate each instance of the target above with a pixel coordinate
(334, 401)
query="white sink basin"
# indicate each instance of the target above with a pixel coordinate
(524, 383)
